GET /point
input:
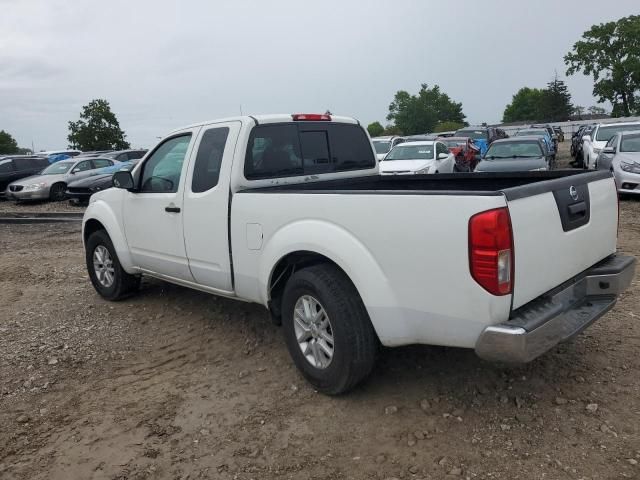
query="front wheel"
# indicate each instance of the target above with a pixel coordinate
(108, 277)
(57, 192)
(327, 329)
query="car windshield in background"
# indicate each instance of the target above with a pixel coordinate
(605, 133)
(535, 133)
(630, 143)
(513, 150)
(57, 168)
(382, 147)
(454, 143)
(475, 134)
(411, 152)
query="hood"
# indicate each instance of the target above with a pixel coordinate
(511, 165)
(628, 157)
(405, 165)
(92, 181)
(48, 179)
(380, 156)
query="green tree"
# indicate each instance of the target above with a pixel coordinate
(555, 104)
(449, 126)
(97, 129)
(524, 106)
(391, 130)
(375, 129)
(8, 144)
(610, 52)
(578, 110)
(414, 114)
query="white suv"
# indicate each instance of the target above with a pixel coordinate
(601, 134)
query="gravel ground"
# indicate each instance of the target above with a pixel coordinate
(176, 384)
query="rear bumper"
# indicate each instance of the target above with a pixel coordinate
(559, 315)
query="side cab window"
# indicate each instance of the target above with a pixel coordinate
(162, 171)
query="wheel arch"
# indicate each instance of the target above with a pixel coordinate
(99, 216)
(291, 249)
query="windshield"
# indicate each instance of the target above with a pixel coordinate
(381, 146)
(57, 168)
(605, 133)
(411, 152)
(535, 133)
(475, 134)
(630, 143)
(513, 150)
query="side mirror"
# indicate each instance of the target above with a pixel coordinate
(123, 179)
(443, 156)
(609, 150)
(74, 171)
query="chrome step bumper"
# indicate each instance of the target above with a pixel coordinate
(559, 315)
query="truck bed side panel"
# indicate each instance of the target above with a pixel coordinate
(406, 254)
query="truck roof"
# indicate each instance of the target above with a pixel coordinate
(267, 118)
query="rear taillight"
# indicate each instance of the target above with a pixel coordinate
(312, 117)
(491, 251)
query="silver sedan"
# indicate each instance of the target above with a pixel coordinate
(621, 155)
(51, 183)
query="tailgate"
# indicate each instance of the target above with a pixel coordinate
(561, 227)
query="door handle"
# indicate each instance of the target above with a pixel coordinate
(578, 209)
(172, 209)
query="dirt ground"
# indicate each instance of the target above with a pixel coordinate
(177, 384)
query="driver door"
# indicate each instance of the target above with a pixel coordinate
(153, 213)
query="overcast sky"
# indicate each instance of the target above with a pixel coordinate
(165, 64)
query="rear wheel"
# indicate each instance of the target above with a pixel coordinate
(327, 329)
(108, 277)
(57, 192)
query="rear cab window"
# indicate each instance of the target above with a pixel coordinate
(306, 148)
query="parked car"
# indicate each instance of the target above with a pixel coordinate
(446, 134)
(383, 145)
(482, 136)
(51, 183)
(79, 191)
(559, 133)
(54, 153)
(124, 155)
(594, 142)
(621, 155)
(423, 137)
(465, 152)
(14, 168)
(577, 141)
(544, 134)
(517, 154)
(552, 134)
(95, 153)
(418, 158)
(254, 208)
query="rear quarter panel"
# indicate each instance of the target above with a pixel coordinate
(406, 254)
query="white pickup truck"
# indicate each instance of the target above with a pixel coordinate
(289, 211)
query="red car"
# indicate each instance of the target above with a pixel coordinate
(465, 151)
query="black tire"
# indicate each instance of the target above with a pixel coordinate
(57, 192)
(355, 342)
(124, 284)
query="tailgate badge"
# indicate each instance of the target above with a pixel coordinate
(573, 191)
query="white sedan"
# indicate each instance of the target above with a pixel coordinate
(418, 158)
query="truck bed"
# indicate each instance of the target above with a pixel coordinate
(512, 184)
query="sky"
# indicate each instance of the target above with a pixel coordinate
(165, 64)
